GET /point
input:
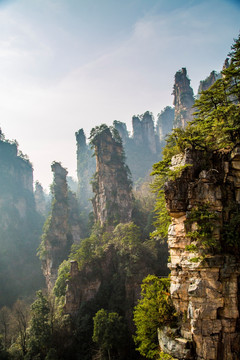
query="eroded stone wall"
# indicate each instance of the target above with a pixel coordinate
(205, 284)
(113, 200)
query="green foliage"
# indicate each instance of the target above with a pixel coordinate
(191, 248)
(98, 131)
(162, 219)
(163, 356)
(109, 331)
(203, 221)
(154, 310)
(39, 330)
(63, 275)
(126, 239)
(216, 123)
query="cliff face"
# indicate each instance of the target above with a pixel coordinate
(106, 282)
(183, 99)
(122, 130)
(57, 238)
(205, 275)
(40, 199)
(20, 225)
(85, 170)
(113, 200)
(209, 81)
(165, 123)
(144, 131)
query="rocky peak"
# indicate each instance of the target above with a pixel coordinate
(57, 238)
(209, 81)
(112, 202)
(144, 131)
(183, 99)
(165, 122)
(40, 199)
(85, 170)
(122, 129)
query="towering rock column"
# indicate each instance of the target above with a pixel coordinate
(85, 170)
(165, 123)
(144, 131)
(183, 99)
(205, 274)
(57, 238)
(113, 202)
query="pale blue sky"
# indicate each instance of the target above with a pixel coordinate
(68, 64)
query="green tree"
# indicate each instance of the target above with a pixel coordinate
(39, 333)
(216, 122)
(21, 319)
(154, 310)
(108, 331)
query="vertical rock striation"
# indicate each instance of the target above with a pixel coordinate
(205, 275)
(165, 123)
(112, 202)
(85, 170)
(57, 238)
(144, 131)
(183, 99)
(40, 199)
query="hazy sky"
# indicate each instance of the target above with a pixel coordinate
(71, 64)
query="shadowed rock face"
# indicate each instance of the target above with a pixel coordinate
(144, 131)
(165, 123)
(204, 288)
(209, 81)
(20, 225)
(85, 170)
(113, 201)
(183, 99)
(57, 237)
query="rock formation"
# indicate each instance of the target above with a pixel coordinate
(85, 170)
(183, 99)
(57, 237)
(122, 130)
(209, 81)
(40, 199)
(112, 202)
(165, 123)
(104, 278)
(144, 131)
(20, 225)
(205, 274)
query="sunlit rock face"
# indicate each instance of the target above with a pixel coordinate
(113, 201)
(205, 283)
(183, 99)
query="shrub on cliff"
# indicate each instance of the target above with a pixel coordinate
(154, 310)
